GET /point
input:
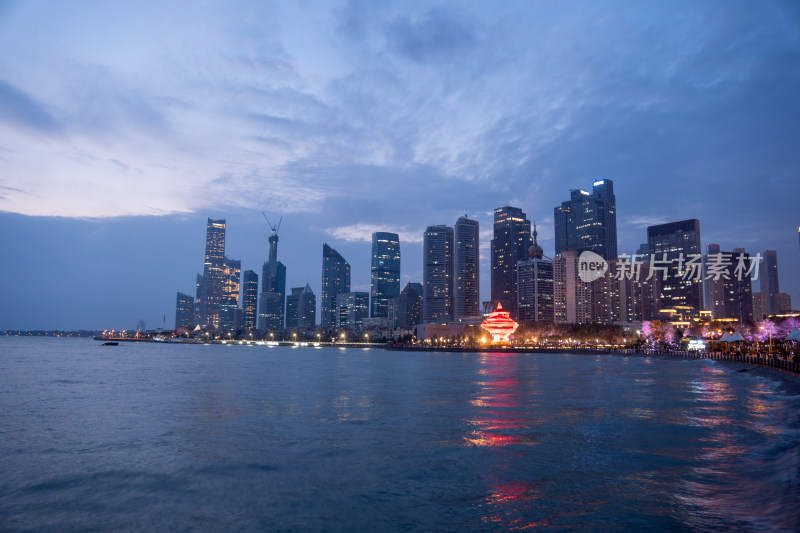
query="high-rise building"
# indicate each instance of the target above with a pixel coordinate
(534, 286)
(768, 278)
(588, 221)
(783, 303)
(728, 292)
(466, 268)
(572, 296)
(301, 308)
(512, 239)
(437, 273)
(335, 279)
(385, 272)
(407, 307)
(213, 268)
(351, 309)
(184, 311)
(273, 289)
(249, 299)
(231, 276)
(667, 244)
(759, 306)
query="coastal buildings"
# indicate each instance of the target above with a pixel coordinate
(667, 244)
(407, 307)
(512, 239)
(211, 285)
(351, 309)
(466, 268)
(437, 274)
(335, 280)
(385, 272)
(301, 308)
(535, 286)
(249, 299)
(229, 303)
(273, 289)
(768, 278)
(728, 292)
(572, 296)
(184, 311)
(588, 221)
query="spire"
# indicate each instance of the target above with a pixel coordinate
(535, 251)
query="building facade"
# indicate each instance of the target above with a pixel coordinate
(437, 273)
(512, 239)
(466, 268)
(335, 279)
(231, 281)
(768, 278)
(211, 285)
(572, 296)
(184, 311)
(385, 272)
(249, 299)
(301, 308)
(728, 292)
(351, 309)
(681, 283)
(407, 307)
(272, 300)
(535, 286)
(588, 221)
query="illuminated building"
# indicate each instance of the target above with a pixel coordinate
(759, 306)
(588, 221)
(466, 268)
(768, 278)
(572, 296)
(351, 309)
(500, 325)
(184, 311)
(437, 273)
(512, 239)
(249, 299)
(273, 288)
(211, 289)
(727, 296)
(335, 279)
(301, 308)
(231, 276)
(783, 303)
(534, 286)
(385, 271)
(670, 241)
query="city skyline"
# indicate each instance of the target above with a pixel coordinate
(119, 137)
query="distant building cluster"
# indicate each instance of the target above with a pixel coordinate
(531, 287)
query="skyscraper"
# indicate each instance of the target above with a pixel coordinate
(249, 299)
(512, 239)
(213, 268)
(768, 278)
(301, 308)
(385, 278)
(534, 286)
(727, 296)
(335, 279)
(572, 296)
(351, 309)
(667, 243)
(231, 276)
(273, 288)
(184, 311)
(407, 307)
(437, 273)
(466, 268)
(588, 221)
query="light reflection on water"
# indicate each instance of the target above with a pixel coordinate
(209, 438)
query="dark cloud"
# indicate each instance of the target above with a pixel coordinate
(434, 35)
(20, 109)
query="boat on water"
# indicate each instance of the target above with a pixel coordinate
(110, 343)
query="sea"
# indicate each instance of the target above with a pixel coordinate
(172, 437)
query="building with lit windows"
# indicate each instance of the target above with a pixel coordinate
(667, 243)
(229, 303)
(273, 289)
(768, 278)
(301, 308)
(184, 311)
(727, 296)
(249, 299)
(588, 221)
(407, 307)
(351, 309)
(385, 272)
(335, 279)
(437, 273)
(512, 239)
(466, 268)
(534, 286)
(211, 286)
(572, 296)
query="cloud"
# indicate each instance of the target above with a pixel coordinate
(363, 233)
(21, 110)
(436, 34)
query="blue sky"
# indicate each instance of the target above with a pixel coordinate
(124, 126)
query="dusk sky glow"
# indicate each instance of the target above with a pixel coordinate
(124, 126)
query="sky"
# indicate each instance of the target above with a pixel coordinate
(125, 125)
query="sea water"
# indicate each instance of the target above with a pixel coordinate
(253, 438)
